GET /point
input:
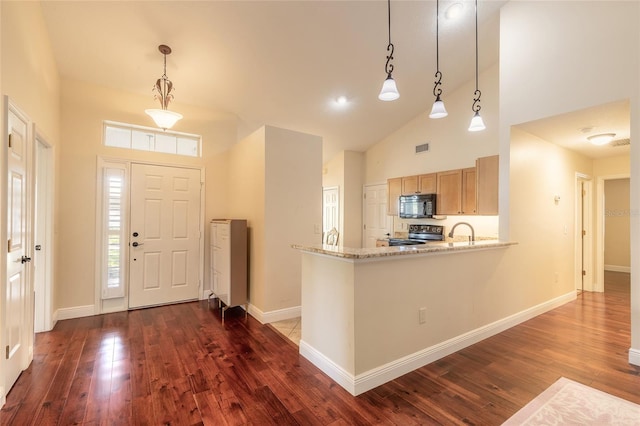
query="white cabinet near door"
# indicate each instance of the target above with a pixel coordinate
(229, 262)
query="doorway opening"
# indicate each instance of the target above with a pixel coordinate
(612, 244)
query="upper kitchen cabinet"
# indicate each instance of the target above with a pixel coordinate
(457, 192)
(394, 190)
(469, 193)
(449, 192)
(420, 184)
(487, 185)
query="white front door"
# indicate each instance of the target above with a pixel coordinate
(164, 240)
(18, 315)
(376, 221)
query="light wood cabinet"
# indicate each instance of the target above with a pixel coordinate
(468, 192)
(419, 184)
(449, 192)
(394, 190)
(456, 192)
(487, 175)
(229, 262)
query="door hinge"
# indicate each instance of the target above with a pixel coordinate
(365, 226)
(7, 352)
(584, 273)
(9, 140)
(9, 245)
(584, 232)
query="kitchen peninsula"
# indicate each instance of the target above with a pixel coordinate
(371, 315)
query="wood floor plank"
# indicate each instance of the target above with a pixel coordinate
(179, 365)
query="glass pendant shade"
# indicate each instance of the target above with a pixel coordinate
(164, 118)
(389, 90)
(476, 123)
(438, 110)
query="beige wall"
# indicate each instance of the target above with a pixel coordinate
(451, 145)
(346, 171)
(84, 107)
(275, 180)
(28, 76)
(617, 211)
(293, 211)
(537, 81)
(247, 201)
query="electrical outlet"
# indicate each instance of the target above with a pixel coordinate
(422, 315)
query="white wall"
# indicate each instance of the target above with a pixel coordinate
(570, 65)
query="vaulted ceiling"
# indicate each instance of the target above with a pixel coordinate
(282, 63)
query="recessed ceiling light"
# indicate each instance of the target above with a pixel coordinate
(601, 139)
(454, 11)
(342, 100)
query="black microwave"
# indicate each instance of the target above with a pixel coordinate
(417, 206)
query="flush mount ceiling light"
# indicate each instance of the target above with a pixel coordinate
(389, 90)
(438, 110)
(454, 11)
(164, 118)
(601, 139)
(476, 122)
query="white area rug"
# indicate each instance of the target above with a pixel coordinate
(570, 403)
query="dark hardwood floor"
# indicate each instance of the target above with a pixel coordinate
(178, 365)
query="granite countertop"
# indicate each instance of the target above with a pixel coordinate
(368, 253)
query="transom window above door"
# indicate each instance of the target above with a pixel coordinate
(121, 135)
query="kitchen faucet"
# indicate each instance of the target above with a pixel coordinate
(473, 234)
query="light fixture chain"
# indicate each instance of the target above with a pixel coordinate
(388, 67)
(437, 90)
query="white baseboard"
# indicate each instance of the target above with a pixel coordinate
(273, 316)
(616, 268)
(74, 312)
(394, 369)
(330, 368)
(634, 356)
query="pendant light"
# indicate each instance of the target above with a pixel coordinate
(476, 122)
(164, 118)
(389, 90)
(438, 110)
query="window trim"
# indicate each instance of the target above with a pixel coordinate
(155, 131)
(102, 236)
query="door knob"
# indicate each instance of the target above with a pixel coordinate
(25, 259)
(136, 244)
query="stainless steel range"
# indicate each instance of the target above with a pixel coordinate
(420, 234)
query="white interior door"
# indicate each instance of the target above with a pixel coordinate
(330, 208)
(18, 315)
(376, 221)
(164, 241)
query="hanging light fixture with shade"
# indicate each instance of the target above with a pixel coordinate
(476, 122)
(164, 118)
(389, 90)
(438, 110)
